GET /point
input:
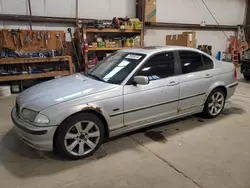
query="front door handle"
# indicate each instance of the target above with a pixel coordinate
(173, 83)
(208, 76)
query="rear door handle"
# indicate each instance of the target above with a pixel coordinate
(173, 83)
(208, 76)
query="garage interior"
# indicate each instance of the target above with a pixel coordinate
(39, 42)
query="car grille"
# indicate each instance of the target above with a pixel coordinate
(17, 109)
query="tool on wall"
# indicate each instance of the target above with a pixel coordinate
(46, 38)
(20, 38)
(14, 33)
(4, 37)
(49, 36)
(74, 48)
(39, 35)
(28, 38)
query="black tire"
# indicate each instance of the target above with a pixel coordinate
(206, 111)
(247, 77)
(67, 125)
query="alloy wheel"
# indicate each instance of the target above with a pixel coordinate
(82, 138)
(216, 103)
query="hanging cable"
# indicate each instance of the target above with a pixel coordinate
(214, 17)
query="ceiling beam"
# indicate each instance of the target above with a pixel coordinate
(190, 26)
(40, 19)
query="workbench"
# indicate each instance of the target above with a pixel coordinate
(22, 61)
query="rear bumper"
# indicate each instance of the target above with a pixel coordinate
(40, 138)
(231, 89)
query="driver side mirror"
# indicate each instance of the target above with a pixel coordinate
(141, 80)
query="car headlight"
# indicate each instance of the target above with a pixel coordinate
(42, 119)
(29, 115)
(33, 116)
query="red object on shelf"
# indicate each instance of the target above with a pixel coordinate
(86, 47)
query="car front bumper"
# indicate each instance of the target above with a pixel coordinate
(40, 138)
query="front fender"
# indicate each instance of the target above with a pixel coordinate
(57, 114)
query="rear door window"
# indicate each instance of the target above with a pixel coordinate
(207, 62)
(190, 61)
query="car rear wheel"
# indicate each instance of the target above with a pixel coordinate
(247, 76)
(79, 136)
(215, 103)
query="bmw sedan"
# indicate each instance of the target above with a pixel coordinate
(128, 90)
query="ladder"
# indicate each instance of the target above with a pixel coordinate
(238, 45)
(243, 45)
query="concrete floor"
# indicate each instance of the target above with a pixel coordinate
(191, 152)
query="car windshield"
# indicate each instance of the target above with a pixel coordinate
(116, 67)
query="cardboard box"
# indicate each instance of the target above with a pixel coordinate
(185, 39)
(190, 33)
(150, 2)
(150, 13)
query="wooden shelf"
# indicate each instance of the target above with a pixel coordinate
(6, 61)
(38, 60)
(34, 76)
(111, 31)
(121, 32)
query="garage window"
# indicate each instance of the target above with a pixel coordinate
(158, 67)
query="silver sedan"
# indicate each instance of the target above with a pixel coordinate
(128, 90)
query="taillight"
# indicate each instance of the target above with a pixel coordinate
(235, 73)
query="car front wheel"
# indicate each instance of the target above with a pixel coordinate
(215, 103)
(80, 136)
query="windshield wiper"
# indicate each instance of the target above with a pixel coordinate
(96, 77)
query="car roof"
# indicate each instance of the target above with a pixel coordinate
(148, 50)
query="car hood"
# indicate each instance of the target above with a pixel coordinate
(59, 90)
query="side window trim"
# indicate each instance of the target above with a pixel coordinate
(178, 62)
(176, 66)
